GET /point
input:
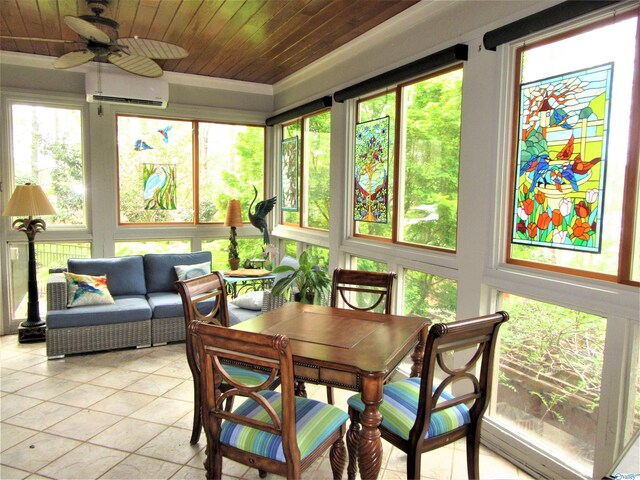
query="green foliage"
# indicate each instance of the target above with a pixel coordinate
(310, 280)
(560, 347)
(65, 175)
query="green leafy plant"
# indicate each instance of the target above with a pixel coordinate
(309, 279)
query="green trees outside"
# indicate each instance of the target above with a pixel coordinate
(317, 162)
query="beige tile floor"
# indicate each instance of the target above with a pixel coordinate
(127, 415)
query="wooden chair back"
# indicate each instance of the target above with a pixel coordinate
(219, 347)
(470, 383)
(379, 285)
(195, 292)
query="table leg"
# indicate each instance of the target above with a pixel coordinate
(370, 446)
(418, 353)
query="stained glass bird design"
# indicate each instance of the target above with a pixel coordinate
(141, 145)
(165, 133)
(155, 181)
(257, 217)
(581, 168)
(560, 175)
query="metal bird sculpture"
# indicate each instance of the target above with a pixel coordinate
(257, 217)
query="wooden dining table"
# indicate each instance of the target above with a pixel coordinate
(349, 349)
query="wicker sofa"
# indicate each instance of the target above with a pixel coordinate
(147, 309)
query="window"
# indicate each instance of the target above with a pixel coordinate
(572, 150)
(248, 248)
(46, 149)
(422, 182)
(550, 373)
(48, 255)
(305, 171)
(231, 161)
(430, 296)
(142, 247)
(165, 178)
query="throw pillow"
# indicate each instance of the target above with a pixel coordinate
(185, 272)
(87, 290)
(249, 300)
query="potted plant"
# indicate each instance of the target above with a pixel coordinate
(308, 279)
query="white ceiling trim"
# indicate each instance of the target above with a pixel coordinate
(46, 62)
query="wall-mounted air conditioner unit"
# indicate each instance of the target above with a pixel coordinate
(127, 89)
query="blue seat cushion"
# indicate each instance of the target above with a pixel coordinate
(125, 275)
(400, 405)
(130, 308)
(169, 304)
(238, 315)
(315, 422)
(160, 272)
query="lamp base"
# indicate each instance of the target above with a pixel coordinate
(31, 334)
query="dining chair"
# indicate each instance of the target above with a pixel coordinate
(361, 290)
(276, 432)
(204, 299)
(378, 287)
(445, 403)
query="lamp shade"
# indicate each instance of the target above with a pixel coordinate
(234, 216)
(28, 201)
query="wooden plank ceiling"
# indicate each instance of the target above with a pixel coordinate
(260, 41)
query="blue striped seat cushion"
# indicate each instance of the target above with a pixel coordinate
(245, 376)
(315, 422)
(400, 405)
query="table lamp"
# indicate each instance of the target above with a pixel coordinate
(233, 220)
(29, 200)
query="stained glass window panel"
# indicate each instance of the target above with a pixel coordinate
(371, 195)
(289, 168)
(291, 130)
(159, 186)
(370, 109)
(562, 160)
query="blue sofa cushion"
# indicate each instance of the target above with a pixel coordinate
(160, 272)
(169, 304)
(238, 315)
(130, 308)
(125, 275)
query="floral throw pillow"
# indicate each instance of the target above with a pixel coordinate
(186, 272)
(87, 290)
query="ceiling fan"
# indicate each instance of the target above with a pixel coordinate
(100, 38)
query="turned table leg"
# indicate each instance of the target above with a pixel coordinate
(418, 353)
(370, 445)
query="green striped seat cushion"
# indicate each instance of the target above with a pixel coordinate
(315, 422)
(400, 405)
(246, 376)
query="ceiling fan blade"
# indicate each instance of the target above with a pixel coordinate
(86, 30)
(73, 59)
(34, 39)
(136, 64)
(152, 48)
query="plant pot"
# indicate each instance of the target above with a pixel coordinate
(234, 263)
(308, 299)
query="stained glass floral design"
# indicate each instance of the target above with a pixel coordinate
(559, 189)
(159, 186)
(372, 171)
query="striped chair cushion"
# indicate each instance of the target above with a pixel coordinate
(315, 422)
(400, 404)
(246, 376)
